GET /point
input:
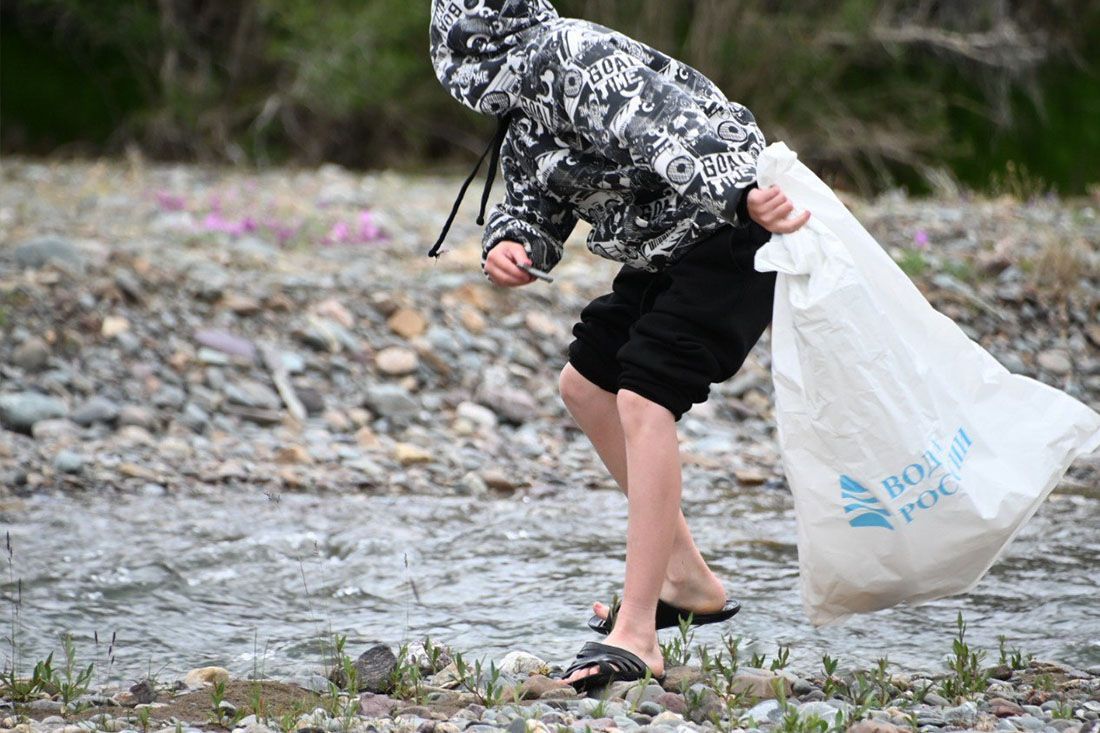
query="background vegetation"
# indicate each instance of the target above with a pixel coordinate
(998, 95)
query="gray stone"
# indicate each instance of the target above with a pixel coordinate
(521, 663)
(31, 355)
(144, 692)
(964, 715)
(624, 722)
(1027, 722)
(766, 710)
(510, 403)
(194, 417)
(823, 710)
(802, 687)
(702, 703)
(170, 396)
(53, 429)
(250, 393)
(226, 343)
(376, 706)
(391, 400)
(38, 253)
(138, 415)
(95, 410)
(636, 694)
(68, 461)
(292, 362)
(938, 700)
(874, 726)
(52, 706)
(21, 410)
(208, 280)
(373, 669)
(129, 285)
(479, 415)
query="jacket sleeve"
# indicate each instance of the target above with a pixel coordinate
(634, 114)
(531, 215)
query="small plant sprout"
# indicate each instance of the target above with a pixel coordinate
(677, 652)
(966, 672)
(72, 687)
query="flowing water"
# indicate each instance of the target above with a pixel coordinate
(243, 581)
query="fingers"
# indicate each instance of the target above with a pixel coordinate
(501, 267)
(761, 196)
(790, 225)
(780, 212)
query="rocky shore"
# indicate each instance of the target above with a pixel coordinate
(430, 689)
(170, 328)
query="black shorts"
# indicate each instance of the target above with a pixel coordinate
(669, 335)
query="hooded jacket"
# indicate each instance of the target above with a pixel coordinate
(592, 125)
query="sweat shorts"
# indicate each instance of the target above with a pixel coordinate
(669, 335)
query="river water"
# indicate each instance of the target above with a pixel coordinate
(241, 580)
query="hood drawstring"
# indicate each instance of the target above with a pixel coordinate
(494, 147)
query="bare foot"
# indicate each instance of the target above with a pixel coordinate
(701, 595)
(650, 653)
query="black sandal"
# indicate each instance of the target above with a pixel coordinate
(615, 663)
(668, 616)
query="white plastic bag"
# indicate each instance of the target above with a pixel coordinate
(913, 456)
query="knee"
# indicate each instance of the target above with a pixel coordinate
(637, 412)
(575, 389)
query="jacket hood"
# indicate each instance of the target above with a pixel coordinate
(474, 46)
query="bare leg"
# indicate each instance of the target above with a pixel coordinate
(688, 582)
(653, 460)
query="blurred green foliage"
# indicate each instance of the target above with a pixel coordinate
(871, 92)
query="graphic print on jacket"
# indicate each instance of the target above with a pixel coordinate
(602, 128)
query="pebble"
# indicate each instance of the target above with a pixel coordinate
(203, 676)
(391, 400)
(37, 253)
(20, 411)
(759, 683)
(407, 323)
(95, 410)
(31, 355)
(395, 360)
(1055, 361)
(69, 462)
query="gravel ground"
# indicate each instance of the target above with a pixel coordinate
(171, 329)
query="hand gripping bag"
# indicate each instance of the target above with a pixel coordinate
(914, 457)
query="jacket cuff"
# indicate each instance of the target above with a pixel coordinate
(743, 218)
(542, 251)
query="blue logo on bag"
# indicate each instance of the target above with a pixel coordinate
(917, 488)
(870, 512)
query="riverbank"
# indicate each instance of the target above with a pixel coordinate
(180, 329)
(427, 688)
(191, 356)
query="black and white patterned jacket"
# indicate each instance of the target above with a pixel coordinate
(593, 125)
